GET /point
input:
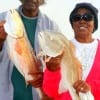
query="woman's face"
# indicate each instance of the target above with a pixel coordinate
(83, 25)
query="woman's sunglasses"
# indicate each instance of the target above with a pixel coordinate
(78, 17)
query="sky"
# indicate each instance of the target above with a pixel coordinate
(59, 11)
(8, 4)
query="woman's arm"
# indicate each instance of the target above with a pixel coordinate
(51, 82)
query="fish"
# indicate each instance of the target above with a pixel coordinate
(19, 49)
(53, 44)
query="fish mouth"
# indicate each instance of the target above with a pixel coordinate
(14, 26)
(48, 49)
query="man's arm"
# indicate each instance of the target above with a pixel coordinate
(2, 34)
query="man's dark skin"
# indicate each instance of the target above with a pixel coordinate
(3, 34)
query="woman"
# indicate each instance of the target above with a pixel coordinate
(84, 22)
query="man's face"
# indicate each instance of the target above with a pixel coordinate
(31, 4)
(40, 1)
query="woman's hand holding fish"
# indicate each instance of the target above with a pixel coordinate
(2, 34)
(81, 86)
(53, 63)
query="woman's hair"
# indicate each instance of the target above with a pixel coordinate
(91, 8)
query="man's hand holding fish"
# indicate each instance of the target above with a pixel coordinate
(2, 34)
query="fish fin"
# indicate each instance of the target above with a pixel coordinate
(86, 96)
(76, 60)
(66, 86)
(40, 54)
(62, 86)
(72, 47)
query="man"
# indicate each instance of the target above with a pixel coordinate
(12, 83)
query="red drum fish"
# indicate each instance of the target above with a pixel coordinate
(19, 48)
(53, 44)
